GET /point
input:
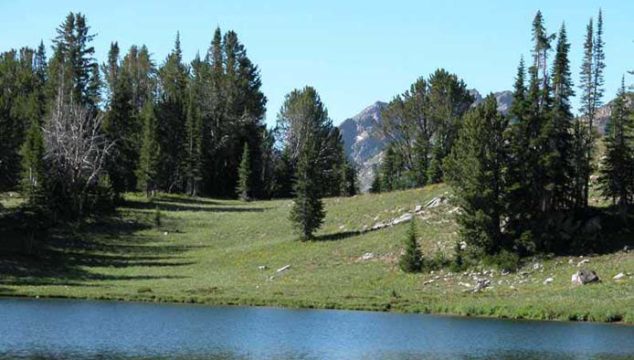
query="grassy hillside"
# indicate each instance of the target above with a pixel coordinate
(227, 252)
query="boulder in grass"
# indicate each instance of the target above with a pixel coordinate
(584, 276)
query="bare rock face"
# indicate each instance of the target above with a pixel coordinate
(584, 276)
(363, 142)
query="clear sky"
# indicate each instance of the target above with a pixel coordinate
(352, 52)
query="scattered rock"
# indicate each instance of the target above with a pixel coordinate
(548, 281)
(481, 285)
(626, 248)
(262, 267)
(584, 261)
(428, 282)
(367, 256)
(537, 266)
(418, 208)
(402, 219)
(618, 276)
(570, 261)
(463, 245)
(583, 277)
(505, 272)
(454, 210)
(283, 268)
(435, 202)
(165, 233)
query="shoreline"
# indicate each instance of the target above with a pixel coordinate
(304, 305)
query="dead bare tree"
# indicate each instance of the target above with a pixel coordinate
(76, 151)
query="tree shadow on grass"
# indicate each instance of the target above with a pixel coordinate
(337, 236)
(34, 254)
(178, 206)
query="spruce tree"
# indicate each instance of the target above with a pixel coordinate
(171, 115)
(411, 260)
(149, 159)
(475, 169)
(306, 120)
(617, 167)
(194, 129)
(375, 188)
(121, 127)
(244, 175)
(557, 133)
(33, 169)
(308, 212)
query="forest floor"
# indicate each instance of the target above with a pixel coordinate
(229, 252)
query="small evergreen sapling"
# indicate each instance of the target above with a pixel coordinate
(412, 260)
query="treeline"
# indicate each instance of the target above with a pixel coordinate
(195, 128)
(522, 179)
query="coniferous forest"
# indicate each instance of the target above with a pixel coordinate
(76, 136)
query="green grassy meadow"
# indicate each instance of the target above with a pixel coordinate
(227, 252)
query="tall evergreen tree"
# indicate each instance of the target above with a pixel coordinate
(73, 68)
(149, 158)
(33, 167)
(121, 127)
(307, 213)
(557, 133)
(111, 69)
(617, 168)
(305, 120)
(193, 129)
(475, 169)
(171, 114)
(244, 175)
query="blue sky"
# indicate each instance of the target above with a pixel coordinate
(352, 52)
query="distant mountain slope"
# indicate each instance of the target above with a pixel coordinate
(364, 143)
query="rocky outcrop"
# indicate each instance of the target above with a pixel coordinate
(584, 276)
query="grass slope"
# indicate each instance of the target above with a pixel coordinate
(211, 251)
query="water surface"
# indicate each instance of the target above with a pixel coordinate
(71, 329)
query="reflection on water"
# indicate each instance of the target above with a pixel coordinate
(66, 329)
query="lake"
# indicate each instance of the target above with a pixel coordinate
(73, 329)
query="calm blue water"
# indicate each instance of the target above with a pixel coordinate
(69, 329)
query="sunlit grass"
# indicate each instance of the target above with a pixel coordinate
(227, 252)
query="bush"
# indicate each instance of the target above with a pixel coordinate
(504, 260)
(412, 260)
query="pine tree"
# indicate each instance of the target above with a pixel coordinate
(557, 133)
(411, 260)
(149, 159)
(111, 69)
(33, 170)
(449, 99)
(591, 85)
(389, 171)
(375, 188)
(475, 169)
(308, 210)
(308, 126)
(121, 127)
(171, 114)
(73, 68)
(193, 129)
(244, 175)
(617, 168)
